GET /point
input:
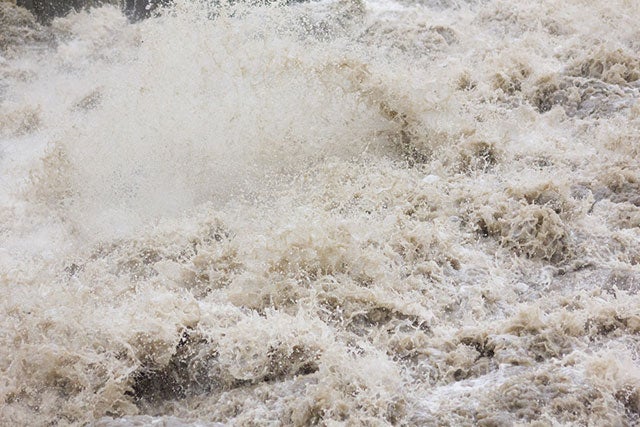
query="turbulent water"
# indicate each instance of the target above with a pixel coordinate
(334, 213)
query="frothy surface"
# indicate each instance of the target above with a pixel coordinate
(338, 212)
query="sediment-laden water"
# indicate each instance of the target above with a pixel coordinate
(334, 213)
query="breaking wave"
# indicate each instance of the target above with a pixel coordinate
(342, 212)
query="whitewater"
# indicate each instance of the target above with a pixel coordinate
(351, 212)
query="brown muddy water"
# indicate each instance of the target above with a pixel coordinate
(336, 213)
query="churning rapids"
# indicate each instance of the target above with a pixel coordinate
(333, 213)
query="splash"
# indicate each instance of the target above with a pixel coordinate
(321, 213)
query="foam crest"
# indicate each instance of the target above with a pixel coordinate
(322, 213)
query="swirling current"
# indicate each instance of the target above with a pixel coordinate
(345, 212)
